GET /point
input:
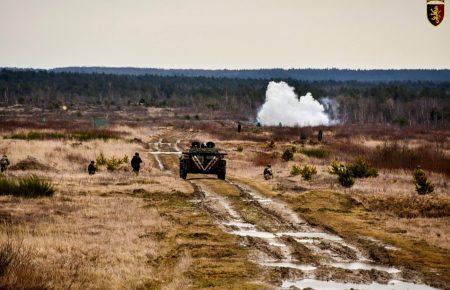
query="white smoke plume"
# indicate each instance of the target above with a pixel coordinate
(331, 109)
(283, 106)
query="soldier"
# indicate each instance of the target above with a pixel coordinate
(4, 163)
(268, 172)
(92, 168)
(136, 163)
(239, 127)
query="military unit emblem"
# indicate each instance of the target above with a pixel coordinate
(435, 11)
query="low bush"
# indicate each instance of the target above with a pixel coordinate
(316, 152)
(29, 186)
(423, 185)
(111, 163)
(345, 176)
(360, 168)
(307, 172)
(240, 148)
(288, 155)
(295, 170)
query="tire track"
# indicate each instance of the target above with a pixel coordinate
(279, 249)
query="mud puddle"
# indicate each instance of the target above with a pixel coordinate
(331, 285)
(169, 149)
(280, 249)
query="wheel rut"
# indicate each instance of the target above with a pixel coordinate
(304, 255)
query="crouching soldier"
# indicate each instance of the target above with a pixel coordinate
(92, 168)
(4, 163)
(268, 172)
(136, 163)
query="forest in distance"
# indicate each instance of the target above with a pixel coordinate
(352, 102)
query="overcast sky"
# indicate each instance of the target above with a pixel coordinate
(222, 34)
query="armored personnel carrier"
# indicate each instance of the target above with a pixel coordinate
(203, 158)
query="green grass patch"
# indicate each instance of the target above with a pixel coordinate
(320, 153)
(28, 186)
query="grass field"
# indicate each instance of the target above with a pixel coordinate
(115, 230)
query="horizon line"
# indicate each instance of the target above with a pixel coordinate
(218, 69)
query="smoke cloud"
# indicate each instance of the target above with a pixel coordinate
(284, 106)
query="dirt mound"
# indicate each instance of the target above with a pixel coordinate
(30, 163)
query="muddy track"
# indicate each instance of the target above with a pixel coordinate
(299, 254)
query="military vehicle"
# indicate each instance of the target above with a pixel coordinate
(203, 158)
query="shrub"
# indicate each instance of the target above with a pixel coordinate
(308, 172)
(240, 148)
(303, 137)
(288, 155)
(295, 170)
(111, 163)
(101, 160)
(423, 185)
(320, 136)
(360, 168)
(335, 167)
(271, 144)
(345, 176)
(34, 186)
(29, 186)
(316, 152)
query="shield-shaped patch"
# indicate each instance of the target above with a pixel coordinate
(435, 11)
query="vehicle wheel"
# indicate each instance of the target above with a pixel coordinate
(221, 175)
(183, 173)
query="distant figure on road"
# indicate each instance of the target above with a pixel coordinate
(239, 127)
(4, 163)
(268, 172)
(91, 168)
(136, 163)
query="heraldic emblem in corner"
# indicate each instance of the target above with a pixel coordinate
(435, 11)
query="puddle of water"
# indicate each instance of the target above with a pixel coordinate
(175, 146)
(291, 265)
(254, 234)
(330, 285)
(272, 204)
(239, 224)
(386, 246)
(310, 235)
(245, 229)
(160, 165)
(365, 266)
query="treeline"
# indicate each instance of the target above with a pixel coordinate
(268, 74)
(405, 103)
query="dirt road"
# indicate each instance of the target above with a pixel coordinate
(299, 254)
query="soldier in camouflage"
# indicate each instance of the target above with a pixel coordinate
(4, 163)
